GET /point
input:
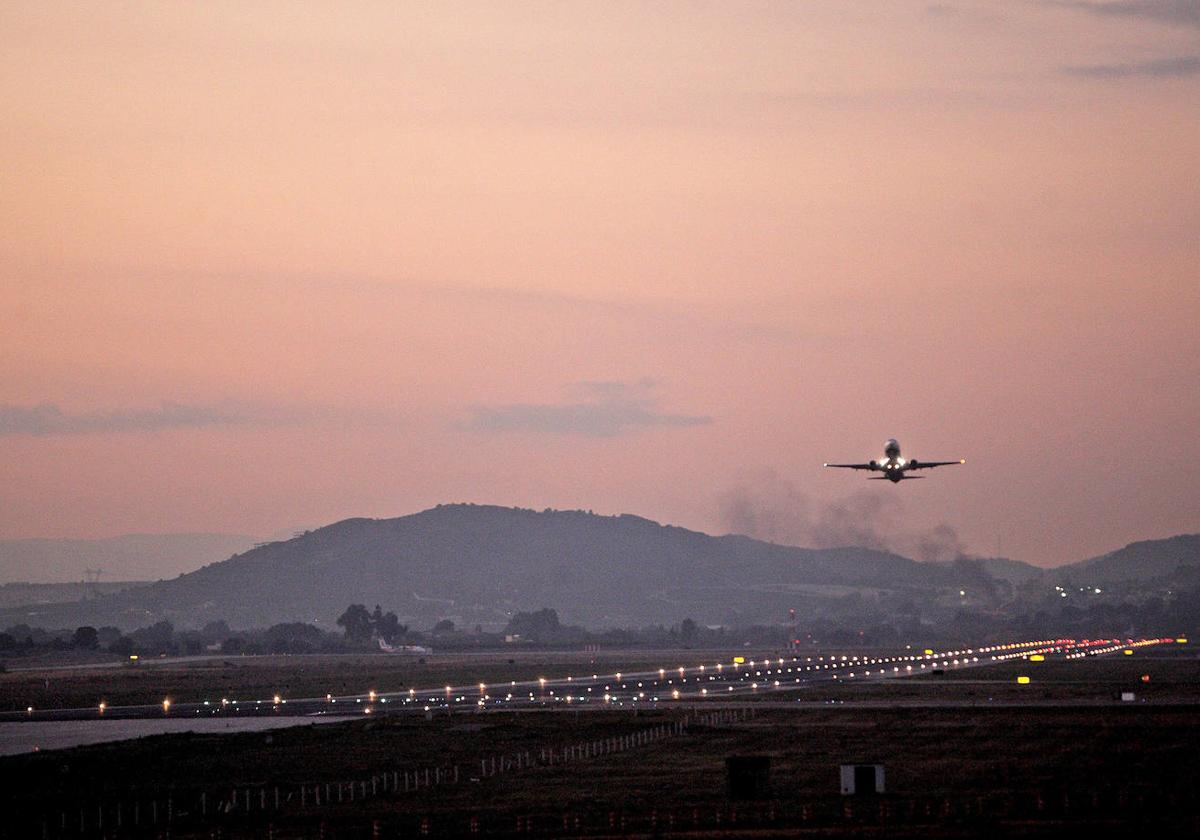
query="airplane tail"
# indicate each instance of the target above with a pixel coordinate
(885, 478)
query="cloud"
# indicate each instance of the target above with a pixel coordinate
(603, 409)
(48, 419)
(772, 508)
(1171, 12)
(1163, 68)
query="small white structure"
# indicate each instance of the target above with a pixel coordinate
(862, 778)
(1128, 697)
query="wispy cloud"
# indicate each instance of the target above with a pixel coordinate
(1163, 68)
(601, 409)
(1173, 12)
(47, 419)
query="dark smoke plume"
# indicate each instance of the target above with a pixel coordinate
(769, 507)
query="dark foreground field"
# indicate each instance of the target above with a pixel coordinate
(957, 764)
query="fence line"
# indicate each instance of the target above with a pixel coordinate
(1164, 809)
(251, 800)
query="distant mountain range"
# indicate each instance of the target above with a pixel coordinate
(33, 594)
(1175, 558)
(478, 564)
(129, 557)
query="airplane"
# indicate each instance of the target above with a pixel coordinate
(893, 467)
(410, 649)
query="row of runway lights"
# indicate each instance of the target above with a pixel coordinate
(413, 695)
(900, 666)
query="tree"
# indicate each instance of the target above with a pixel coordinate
(293, 637)
(540, 626)
(687, 631)
(389, 628)
(86, 638)
(356, 621)
(215, 631)
(157, 638)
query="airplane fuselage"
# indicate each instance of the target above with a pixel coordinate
(893, 465)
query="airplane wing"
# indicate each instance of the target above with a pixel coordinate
(921, 465)
(855, 466)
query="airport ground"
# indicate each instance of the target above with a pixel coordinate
(192, 679)
(199, 679)
(965, 752)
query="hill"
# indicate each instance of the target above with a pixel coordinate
(128, 557)
(25, 594)
(1140, 570)
(1015, 572)
(1138, 561)
(477, 564)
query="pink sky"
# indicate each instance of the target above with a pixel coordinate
(265, 266)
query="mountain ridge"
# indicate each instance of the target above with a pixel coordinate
(477, 564)
(122, 557)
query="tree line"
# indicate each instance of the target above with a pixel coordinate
(360, 628)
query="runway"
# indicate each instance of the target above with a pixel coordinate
(705, 683)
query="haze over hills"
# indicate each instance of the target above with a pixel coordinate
(478, 564)
(124, 558)
(1167, 559)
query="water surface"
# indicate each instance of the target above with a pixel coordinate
(17, 738)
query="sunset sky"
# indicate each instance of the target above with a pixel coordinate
(266, 266)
